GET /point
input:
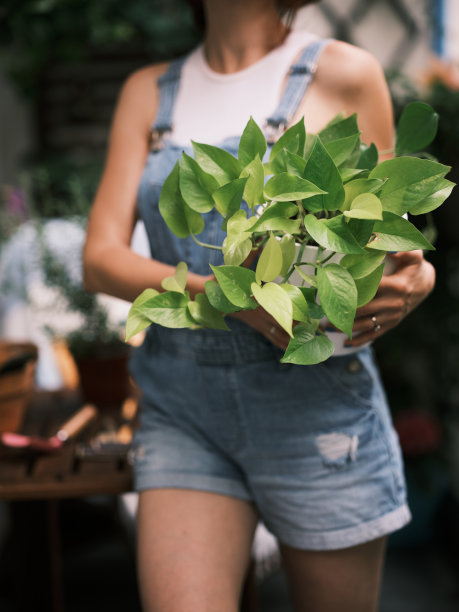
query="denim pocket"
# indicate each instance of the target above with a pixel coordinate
(350, 376)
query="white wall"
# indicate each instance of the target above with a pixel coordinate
(451, 26)
(381, 32)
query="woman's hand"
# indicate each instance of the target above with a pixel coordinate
(263, 322)
(398, 294)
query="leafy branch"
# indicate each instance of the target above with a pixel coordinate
(325, 190)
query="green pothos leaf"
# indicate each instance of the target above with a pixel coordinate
(308, 346)
(255, 175)
(228, 197)
(270, 261)
(178, 281)
(218, 299)
(362, 265)
(217, 162)
(275, 301)
(365, 206)
(179, 217)
(416, 128)
(321, 171)
(434, 200)
(276, 217)
(332, 234)
(205, 314)
(238, 244)
(235, 282)
(252, 143)
(409, 180)
(196, 186)
(395, 233)
(293, 140)
(168, 309)
(299, 302)
(368, 156)
(367, 286)
(338, 296)
(137, 320)
(288, 248)
(284, 187)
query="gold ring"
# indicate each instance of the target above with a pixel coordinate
(376, 325)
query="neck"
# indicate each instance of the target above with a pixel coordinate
(240, 32)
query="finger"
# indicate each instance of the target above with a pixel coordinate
(406, 257)
(362, 338)
(388, 300)
(371, 328)
(268, 326)
(367, 325)
(370, 334)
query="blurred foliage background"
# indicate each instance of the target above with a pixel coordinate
(43, 32)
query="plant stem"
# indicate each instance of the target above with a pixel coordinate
(325, 259)
(320, 250)
(297, 262)
(207, 246)
(301, 213)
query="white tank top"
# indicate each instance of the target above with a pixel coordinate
(231, 98)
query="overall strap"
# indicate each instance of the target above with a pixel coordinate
(168, 84)
(298, 80)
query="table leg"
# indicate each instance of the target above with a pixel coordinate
(55, 555)
(35, 556)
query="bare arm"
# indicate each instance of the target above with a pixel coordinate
(110, 266)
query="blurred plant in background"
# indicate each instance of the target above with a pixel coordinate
(422, 367)
(419, 360)
(42, 31)
(13, 211)
(41, 259)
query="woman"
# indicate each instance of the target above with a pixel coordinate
(228, 435)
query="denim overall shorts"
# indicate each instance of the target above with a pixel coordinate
(312, 447)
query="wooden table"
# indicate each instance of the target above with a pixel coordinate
(71, 471)
(34, 482)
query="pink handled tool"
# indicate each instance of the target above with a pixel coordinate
(69, 429)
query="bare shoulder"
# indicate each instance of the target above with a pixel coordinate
(351, 80)
(139, 93)
(144, 79)
(349, 69)
(143, 82)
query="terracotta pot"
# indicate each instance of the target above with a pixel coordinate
(17, 369)
(104, 379)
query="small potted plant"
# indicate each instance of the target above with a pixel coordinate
(96, 344)
(42, 231)
(321, 210)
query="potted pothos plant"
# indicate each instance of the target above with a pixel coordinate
(328, 191)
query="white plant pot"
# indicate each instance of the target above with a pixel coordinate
(337, 337)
